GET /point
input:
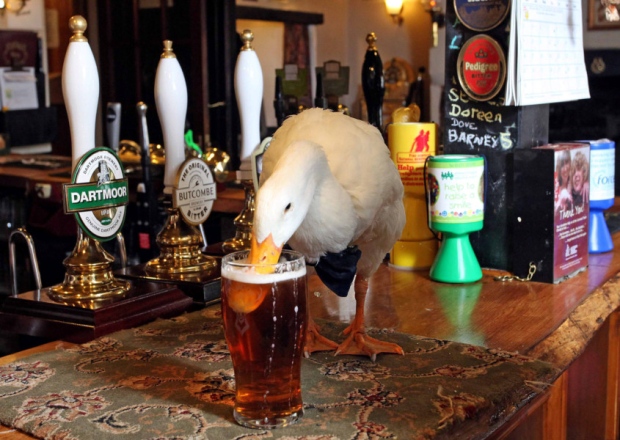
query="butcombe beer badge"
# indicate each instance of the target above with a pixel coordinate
(98, 193)
(194, 191)
(481, 67)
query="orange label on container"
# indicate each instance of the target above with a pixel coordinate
(410, 144)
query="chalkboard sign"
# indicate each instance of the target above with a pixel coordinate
(493, 130)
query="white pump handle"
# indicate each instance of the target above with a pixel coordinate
(80, 89)
(171, 102)
(249, 93)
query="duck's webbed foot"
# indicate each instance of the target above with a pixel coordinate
(359, 343)
(315, 341)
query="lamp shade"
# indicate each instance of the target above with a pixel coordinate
(394, 6)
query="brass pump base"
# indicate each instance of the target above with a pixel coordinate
(89, 274)
(244, 222)
(180, 253)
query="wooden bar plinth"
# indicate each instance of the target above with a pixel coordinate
(34, 313)
(203, 287)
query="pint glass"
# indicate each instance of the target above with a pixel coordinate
(264, 311)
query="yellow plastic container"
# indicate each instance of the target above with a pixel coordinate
(410, 144)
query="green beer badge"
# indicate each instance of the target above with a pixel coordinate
(98, 193)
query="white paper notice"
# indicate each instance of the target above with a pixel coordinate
(550, 64)
(18, 89)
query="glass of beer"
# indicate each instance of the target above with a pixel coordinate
(264, 311)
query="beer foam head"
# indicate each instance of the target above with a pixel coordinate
(248, 274)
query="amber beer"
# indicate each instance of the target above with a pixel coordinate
(265, 324)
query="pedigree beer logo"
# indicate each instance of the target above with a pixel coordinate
(195, 191)
(98, 193)
(481, 68)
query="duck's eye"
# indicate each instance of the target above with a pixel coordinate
(288, 207)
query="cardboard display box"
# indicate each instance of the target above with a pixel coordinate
(551, 210)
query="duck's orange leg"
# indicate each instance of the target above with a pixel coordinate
(358, 342)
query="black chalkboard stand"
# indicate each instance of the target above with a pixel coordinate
(490, 129)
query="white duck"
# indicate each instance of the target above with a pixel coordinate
(327, 184)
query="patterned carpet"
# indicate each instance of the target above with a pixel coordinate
(173, 379)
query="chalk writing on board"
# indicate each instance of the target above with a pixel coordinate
(473, 126)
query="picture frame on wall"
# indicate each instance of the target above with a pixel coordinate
(597, 19)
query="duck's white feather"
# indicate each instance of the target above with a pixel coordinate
(343, 188)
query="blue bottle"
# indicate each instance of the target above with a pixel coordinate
(602, 160)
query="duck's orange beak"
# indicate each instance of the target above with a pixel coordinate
(264, 253)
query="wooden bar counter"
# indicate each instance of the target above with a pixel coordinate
(574, 325)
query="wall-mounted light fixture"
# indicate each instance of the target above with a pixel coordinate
(395, 9)
(16, 6)
(437, 17)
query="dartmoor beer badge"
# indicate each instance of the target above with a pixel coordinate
(98, 193)
(194, 192)
(481, 67)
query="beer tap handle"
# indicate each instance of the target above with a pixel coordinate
(373, 82)
(80, 89)
(279, 102)
(143, 138)
(249, 93)
(319, 100)
(149, 199)
(113, 124)
(171, 102)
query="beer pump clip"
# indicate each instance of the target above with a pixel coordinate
(189, 193)
(249, 92)
(189, 188)
(98, 192)
(93, 196)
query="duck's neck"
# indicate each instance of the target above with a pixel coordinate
(332, 214)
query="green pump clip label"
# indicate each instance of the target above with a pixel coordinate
(86, 197)
(98, 193)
